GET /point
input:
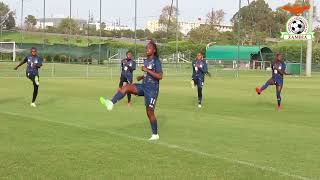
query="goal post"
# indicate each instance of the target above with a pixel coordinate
(8, 48)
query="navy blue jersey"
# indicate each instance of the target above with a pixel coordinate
(200, 68)
(127, 66)
(278, 66)
(33, 64)
(153, 65)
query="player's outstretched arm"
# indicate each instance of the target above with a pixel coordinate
(20, 64)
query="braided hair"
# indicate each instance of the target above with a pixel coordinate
(156, 54)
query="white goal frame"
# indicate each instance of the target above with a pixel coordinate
(13, 49)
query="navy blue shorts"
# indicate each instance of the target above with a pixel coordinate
(125, 79)
(31, 76)
(150, 95)
(278, 81)
(198, 82)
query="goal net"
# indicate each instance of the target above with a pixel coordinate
(8, 51)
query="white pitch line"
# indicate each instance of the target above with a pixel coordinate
(173, 146)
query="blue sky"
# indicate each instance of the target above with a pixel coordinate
(190, 10)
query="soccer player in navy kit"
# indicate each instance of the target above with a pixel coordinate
(149, 88)
(34, 62)
(200, 69)
(278, 71)
(128, 65)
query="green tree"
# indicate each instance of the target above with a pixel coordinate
(30, 21)
(67, 24)
(51, 29)
(160, 36)
(317, 35)
(280, 20)
(256, 18)
(147, 34)
(168, 16)
(203, 34)
(168, 20)
(226, 38)
(215, 17)
(140, 34)
(6, 17)
(127, 33)
(107, 34)
(10, 22)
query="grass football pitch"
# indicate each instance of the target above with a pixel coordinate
(236, 135)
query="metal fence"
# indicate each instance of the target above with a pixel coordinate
(112, 70)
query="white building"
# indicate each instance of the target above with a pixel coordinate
(41, 24)
(154, 25)
(83, 24)
(185, 27)
(54, 22)
(224, 28)
(112, 26)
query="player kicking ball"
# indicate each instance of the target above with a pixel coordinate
(149, 88)
(278, 71)
(34, 63)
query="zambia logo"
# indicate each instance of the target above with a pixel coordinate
(297, 26)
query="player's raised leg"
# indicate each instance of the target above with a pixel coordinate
(131, 88)
(270, 82)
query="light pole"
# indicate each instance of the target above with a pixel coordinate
(239, 34)
(309, 43)
(2, 21)
(69, 30)
(21, 22)
(44, 22)
(177, 30)
(135, 28)
(100, 34)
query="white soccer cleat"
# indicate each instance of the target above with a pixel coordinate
(107, 103)
(154, 137)
(37, 80)
(33, 105)
(199, 106)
